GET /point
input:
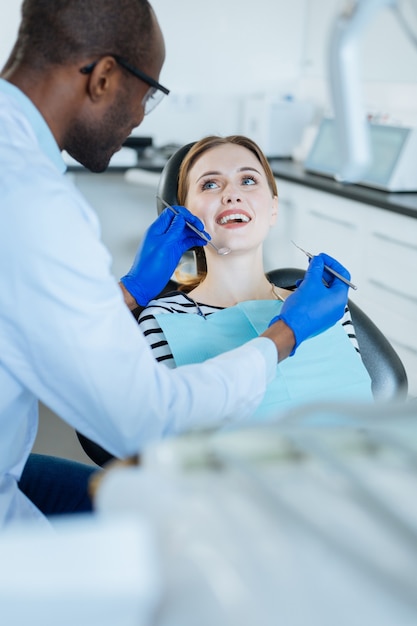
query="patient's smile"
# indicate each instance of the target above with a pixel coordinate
(233, 218)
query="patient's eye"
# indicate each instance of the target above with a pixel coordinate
(249, 180)
(209, 184)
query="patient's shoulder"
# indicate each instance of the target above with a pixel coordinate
(171, 302)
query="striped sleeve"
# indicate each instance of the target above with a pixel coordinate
(175, 302)
(347, 324)
(154, 335)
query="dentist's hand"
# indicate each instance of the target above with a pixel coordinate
(164, 243)
(313, 307)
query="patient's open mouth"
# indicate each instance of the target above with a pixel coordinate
(233, 218)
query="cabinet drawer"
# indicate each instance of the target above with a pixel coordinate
(394, 313)
(393, 263)
(326, 223)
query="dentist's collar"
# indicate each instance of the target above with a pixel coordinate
(41, 129)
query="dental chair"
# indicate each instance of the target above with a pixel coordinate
(389, 379)
(387, 373)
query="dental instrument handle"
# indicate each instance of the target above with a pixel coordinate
(221, 251)
(326, 267)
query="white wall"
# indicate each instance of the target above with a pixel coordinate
(218, 52)
(9, 23)
(222, 51)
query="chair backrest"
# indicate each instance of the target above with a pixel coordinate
(168, 183)
(389, 378)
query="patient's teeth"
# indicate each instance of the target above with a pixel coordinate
(234, 217)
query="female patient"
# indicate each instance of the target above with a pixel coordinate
(228, 183)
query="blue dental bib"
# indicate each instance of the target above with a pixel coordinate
(324, 368)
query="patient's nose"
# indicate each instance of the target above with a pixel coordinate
(231, 195)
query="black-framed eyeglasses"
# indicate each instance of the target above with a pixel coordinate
(156, 91)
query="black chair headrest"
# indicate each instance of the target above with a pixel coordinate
(168, 182)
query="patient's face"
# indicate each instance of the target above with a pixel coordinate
(228, 190)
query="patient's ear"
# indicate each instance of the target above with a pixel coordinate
(274, 210)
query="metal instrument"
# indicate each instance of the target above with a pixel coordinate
(326, 267)
(221, 251)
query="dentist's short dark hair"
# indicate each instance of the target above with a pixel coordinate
(60, 32)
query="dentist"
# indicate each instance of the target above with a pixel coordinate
(82, 74)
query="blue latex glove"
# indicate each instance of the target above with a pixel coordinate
(314, 307)
(164, 243)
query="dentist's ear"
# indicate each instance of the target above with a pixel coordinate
(103, 80)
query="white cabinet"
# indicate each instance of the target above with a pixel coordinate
(278, 249)
(379, 248)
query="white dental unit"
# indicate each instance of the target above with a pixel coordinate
(384, 157)
(392, 163)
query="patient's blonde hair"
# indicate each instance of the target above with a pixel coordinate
(189, 282)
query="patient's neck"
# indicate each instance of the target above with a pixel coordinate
(233, 278)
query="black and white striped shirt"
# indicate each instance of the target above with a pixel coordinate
(179, 302)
